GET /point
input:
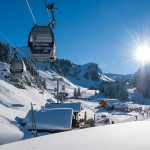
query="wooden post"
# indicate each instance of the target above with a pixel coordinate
(94, 118)
(34, 130)
(85, 118)
(57, 90)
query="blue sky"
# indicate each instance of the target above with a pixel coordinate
(100, 31)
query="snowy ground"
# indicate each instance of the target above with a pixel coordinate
(123, 136)
(9, 132)
(16, 102)
(92, 107)
(137, 97)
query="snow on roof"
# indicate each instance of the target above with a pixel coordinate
(75, 106)
(51, 119)
(120, 106)
(111, 102)
(123, 136)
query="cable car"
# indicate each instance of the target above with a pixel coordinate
(41, 43)
(17, 68)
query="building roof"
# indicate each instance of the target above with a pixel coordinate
(51, 119)
(120, 106)
(75, 106)
(111, 102)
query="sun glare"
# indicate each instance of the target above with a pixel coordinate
(142, 53)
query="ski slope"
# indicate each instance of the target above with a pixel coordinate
(124, 136)
(15, 102)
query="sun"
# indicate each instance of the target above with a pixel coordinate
(142, 53)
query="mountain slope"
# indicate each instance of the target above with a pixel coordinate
(16, 102)
(88, 75)
(119, 77)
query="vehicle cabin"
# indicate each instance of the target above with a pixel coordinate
(75, 106)
(53, 120)
(18, 68)
(42, 43)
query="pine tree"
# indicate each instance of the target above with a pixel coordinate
(45, 84)
(7, 53)
(4, 52)
(78, 93)
(75, 93)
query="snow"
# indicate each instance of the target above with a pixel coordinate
(9, 132)
(120, 106)
(51, 83)
(106, 78)
(119, 77)
(4, 69)
(111, 102)
(52, 119)
(136, 97)
(75, 106)
(10, 95)
(77, 76)
(126, 136)
(16, 102)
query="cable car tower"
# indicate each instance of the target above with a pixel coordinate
(41, 39)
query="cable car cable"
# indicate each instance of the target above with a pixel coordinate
(11, 44)
(5, 38)
(31, 11)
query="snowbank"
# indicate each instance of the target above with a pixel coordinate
(125, 136)
(9, 132)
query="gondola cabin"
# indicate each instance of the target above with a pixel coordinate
(41, 43)
(17, 68)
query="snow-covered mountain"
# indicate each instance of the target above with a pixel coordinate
(119, 77)
(88, 75)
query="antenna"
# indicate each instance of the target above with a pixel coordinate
(50, 10)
